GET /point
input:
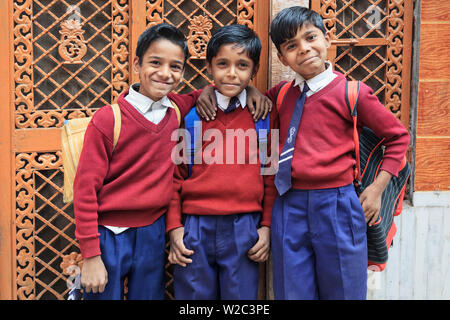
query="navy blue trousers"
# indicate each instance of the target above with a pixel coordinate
(220, 267)
(319, 245)
(136, 253)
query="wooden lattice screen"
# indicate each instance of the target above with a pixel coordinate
(371, 41)
(70, 57)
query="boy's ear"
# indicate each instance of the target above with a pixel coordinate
(283, 61)
(136, 65)
(255, 70)
(208, 67)
(328, 39)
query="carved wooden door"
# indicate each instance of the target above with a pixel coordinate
(64, 59)
(371, 41)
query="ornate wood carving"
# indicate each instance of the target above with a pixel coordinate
(72, 47)
(199, 35)
(47, 89)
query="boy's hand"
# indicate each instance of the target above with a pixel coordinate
(207, 103)
(258, 104)
(371, 197)
(260, 251)
(178, 251)
(94, 276)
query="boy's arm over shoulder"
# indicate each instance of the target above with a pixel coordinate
(185, 102)
(372, 114)
(272, 93)
(91, 171)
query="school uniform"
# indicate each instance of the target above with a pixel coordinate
(121, 196)
(318, 227)
(221, 205)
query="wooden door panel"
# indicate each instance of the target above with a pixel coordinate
(371, 42)
(68, 58)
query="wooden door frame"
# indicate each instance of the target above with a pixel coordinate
(7, 193)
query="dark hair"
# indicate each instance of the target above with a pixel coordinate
(287, 22)
(158, 32)
(241, 35)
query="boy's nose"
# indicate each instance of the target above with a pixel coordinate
(232, 71)
(164, 71)
(304, 47)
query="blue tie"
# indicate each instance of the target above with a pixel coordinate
(232, 105)
(283, 176)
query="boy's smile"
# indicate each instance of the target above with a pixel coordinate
(231, 69)
(160, 70)
(306, 52)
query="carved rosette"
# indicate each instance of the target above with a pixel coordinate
(72, 47)
(71, 263)
(199, 35)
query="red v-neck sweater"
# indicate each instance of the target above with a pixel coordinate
(227, 188)
(132, 186)
(324, 144)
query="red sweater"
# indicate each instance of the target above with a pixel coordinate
(131, 186)
(227, 188)
(324, 144)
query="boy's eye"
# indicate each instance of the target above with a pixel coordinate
(177, 67)
(312, 37)
(154, 62)
(243, 65)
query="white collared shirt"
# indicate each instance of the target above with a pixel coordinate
(153, 111)
(318, 82)
(223, 101)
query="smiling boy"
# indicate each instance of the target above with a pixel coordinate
(219, 217)
(318, 229)
(121, 194)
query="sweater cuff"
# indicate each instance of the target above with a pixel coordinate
(392, 166)
(90, 248)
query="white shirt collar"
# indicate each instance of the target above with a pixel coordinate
(318, 82)
(223, 101)
(144, 103)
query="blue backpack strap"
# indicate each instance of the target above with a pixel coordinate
(192, 123)
(262, 131)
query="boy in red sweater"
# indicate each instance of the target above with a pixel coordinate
(318, 223)
(226, 205)
(121, 195)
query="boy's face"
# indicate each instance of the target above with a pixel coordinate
(160, 70)
(306, 52)
(231, 69)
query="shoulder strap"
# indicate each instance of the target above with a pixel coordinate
(262, 131)
(177, 110)
(117, 123)
(191, 124)
(351, 97)
(281, 93)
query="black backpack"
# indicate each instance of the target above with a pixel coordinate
(369, 152)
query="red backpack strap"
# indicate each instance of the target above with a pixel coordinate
(351, 97)
(281, 93)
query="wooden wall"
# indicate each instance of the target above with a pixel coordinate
(433, 111)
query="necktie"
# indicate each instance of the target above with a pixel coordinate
(283, 176)
(232, 105)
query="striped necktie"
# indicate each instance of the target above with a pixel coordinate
(232, 105)
(283, 176)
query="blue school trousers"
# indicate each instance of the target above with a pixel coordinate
(136, 253)
(319, 245)
(220, 268)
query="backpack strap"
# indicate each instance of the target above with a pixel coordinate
(281, 93)
(351, 97)
(177, 110)
(117, 123)
(192, 123)
(262, 131)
